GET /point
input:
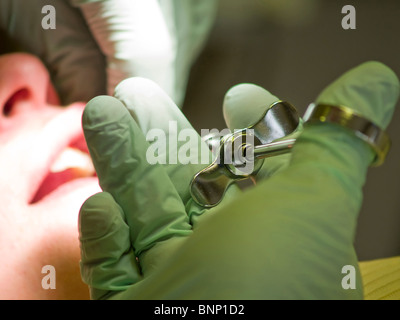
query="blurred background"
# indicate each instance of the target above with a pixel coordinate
(294, 48)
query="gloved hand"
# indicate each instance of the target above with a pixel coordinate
(158, 40)
(98, 43)
(287, 238)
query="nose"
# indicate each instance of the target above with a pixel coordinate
(24, 78)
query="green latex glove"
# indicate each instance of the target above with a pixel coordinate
(158, 40)
(287, 238)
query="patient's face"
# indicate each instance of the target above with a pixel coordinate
(45, 176)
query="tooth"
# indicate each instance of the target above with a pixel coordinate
(73, 158)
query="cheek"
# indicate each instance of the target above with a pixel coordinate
(22, 273)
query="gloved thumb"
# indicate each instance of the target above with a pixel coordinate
(108, 263)
(362, 96)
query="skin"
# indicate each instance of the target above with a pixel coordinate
(39, 211)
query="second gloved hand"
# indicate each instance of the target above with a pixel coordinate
(157, 40)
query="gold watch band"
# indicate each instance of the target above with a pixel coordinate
(363, 128)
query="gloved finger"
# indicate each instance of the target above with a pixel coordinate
(153, 208)
(108, 262)
(290, 236)
(377, 78)
(172, 138)
(158, 40)
(135, 38)
(244, 105)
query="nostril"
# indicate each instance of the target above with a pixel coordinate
(18, 96)
(24, 84)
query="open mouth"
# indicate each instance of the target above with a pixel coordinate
(72, 163)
